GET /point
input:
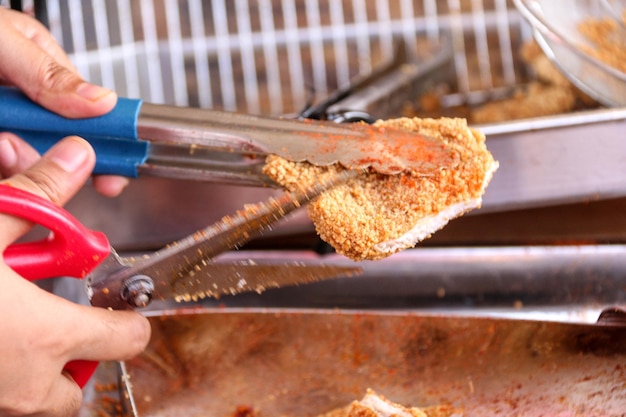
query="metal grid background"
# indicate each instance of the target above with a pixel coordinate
(272, 56)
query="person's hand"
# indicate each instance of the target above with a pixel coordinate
(40, 332)
(34, 62)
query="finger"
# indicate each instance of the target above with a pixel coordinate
(57, 176)
(60, 172)
(106, 335)
(16, 155)
(110, 185)
(47, 81)
(30, 356)
(35, 30)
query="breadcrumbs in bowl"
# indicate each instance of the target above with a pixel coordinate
(607, 39)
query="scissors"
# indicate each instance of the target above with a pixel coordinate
(184, 270)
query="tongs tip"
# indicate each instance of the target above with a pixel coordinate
(382, 149)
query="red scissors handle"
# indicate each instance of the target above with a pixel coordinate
(71, 250)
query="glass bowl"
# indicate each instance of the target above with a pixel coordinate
(556, 29)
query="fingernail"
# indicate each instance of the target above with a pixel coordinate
(8, 156)
(92, 92)
(69, 155)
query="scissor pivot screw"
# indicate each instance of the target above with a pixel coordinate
(137, 291)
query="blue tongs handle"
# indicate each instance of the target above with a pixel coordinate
(114, 135)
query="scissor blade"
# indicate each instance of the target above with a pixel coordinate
(183, 261)
(217, 279)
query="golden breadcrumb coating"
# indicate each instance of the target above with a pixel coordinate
(360, 217)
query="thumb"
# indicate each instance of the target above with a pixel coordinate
(57, 176)
(106, 335)
(60, 172)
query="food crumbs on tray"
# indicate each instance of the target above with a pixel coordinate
(550, 94)
(108, 406)
(376, 215)
(376, 405)
(99, 387)
(245, 411)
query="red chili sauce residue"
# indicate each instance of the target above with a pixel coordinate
(389, 147)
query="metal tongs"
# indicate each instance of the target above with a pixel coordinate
(176, 142)
(184, 270)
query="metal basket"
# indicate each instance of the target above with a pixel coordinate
(275, 56)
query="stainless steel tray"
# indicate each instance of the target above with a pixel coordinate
(308, 362)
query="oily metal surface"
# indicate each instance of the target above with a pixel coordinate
(306, 362)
